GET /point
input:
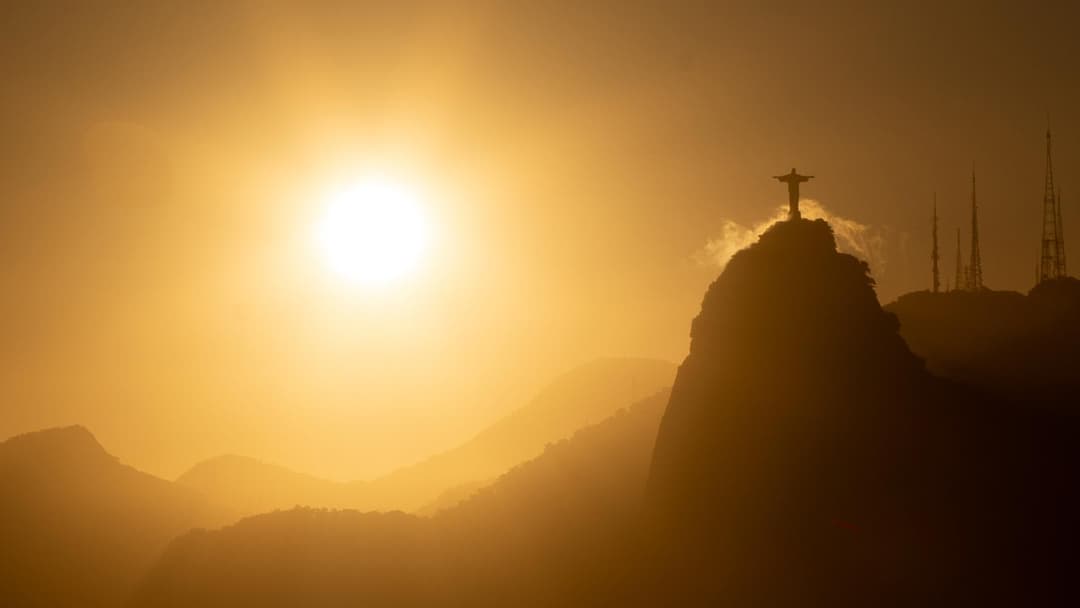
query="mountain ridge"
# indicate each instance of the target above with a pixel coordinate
(79, 526)
(588, 485)
(580, 397)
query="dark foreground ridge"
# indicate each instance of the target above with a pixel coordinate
(807, 457)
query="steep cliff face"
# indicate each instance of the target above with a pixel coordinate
(806, 456)
(790, 339)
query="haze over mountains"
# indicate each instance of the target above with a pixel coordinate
(81, 528)
(304, 299)
(534, 537)
(804, 456)
(579, 398)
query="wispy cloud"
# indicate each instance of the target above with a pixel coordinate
(854, 237)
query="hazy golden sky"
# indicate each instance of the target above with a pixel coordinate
(162, 167)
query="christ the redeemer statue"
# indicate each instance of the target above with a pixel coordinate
(793, 180)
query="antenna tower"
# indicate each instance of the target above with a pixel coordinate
(975, 277)
(958, 280)
(934, 252)
(1061, 236)
(1052, 252)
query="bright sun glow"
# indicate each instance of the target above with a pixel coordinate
(373, 232)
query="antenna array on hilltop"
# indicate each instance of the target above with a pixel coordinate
(969, 277)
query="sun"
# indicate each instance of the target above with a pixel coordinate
(373, 232)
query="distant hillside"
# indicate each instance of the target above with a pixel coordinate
(452, 497)
(301, 557)
(78, 528)
(560, 529)
(581, 397)
(511, 543)
(250, 486)
(1023, 346)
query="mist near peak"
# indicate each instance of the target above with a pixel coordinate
(864, 241)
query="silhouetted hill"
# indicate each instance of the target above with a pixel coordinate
(250, 486)
(555, 530)
(78, 528)
(58, 447)
(807, 458)
(542, 532)
(579, 398)
(301, 557)
(1025, 347)
(452, 497)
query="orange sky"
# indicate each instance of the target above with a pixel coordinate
(162, 168)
